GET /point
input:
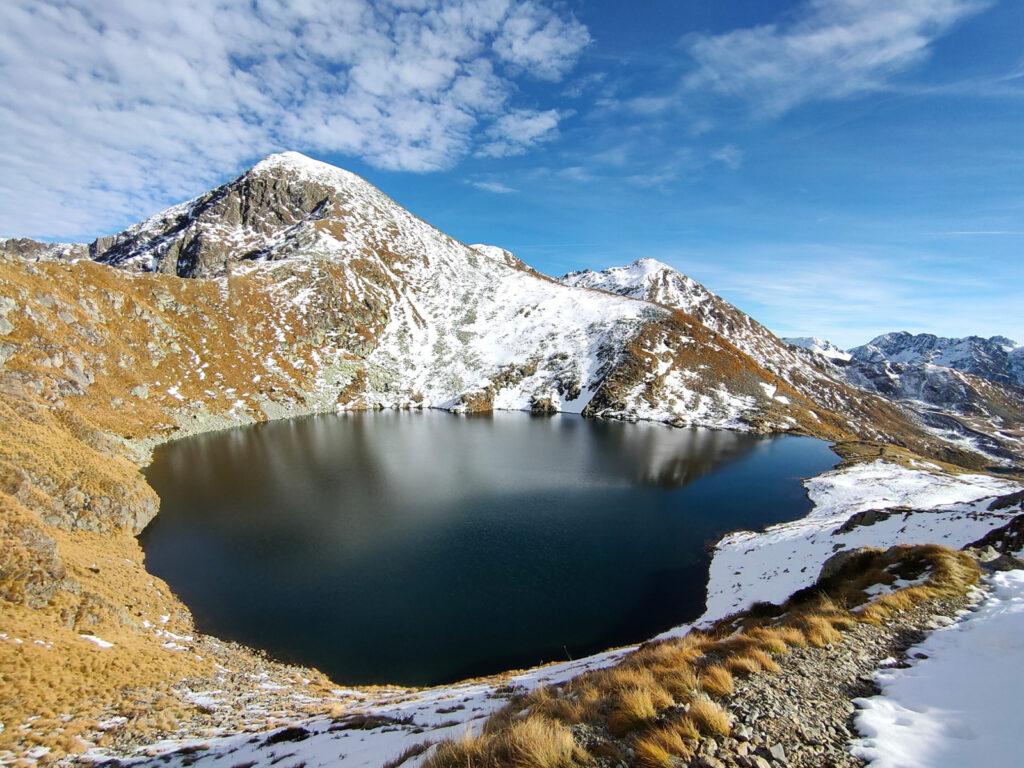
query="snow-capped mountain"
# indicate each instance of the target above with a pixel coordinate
(424, 320)
(654, 281)
(959, 406)
(997, 358)
(336, 295)
(822, 347)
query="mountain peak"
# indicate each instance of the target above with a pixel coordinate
(305, 166)
(648, 265)
(821, 346)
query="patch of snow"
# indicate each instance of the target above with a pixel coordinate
(97, 640)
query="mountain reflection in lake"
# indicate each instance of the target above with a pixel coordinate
(423, 547)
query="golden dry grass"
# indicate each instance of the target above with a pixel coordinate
(771, 639)
(61, 460)
(533, 742)
(709, 717)
(716, 680)
(656, 747)
(635, 707)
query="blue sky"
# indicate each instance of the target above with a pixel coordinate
(835, 167)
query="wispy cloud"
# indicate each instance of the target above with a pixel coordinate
(729, 155)
(829, 49)
(492, 186)
(109, 110)
(850, 294)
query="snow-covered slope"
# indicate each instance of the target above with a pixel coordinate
(650, 280)
(823, 347)
(959, 702)
(875, 504)
(654, 281)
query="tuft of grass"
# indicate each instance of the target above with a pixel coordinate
(791, 636)
(533, 742)
(750, 662)
(716, 680)
(680, 682)
(709, 718)
(462, 752)
(414, 751)
(765, 661)
(742, 665)
(818, 630)
(770, 640)
(685, 727)
(657, 747)
(635, 707)
(575, 704)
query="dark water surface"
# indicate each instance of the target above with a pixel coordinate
(422, 548)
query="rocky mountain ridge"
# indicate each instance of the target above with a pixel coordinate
(998, 358)
(964, 388)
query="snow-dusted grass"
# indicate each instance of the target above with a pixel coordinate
(960, 704)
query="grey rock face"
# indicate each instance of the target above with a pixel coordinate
(235, 222)
(34, 250)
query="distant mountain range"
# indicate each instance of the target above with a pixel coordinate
(996, 358)
(971, 386)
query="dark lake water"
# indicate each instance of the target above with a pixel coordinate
(421, 548)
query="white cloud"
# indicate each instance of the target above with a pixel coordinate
(541, 42)
(517, 131)
(831, 49)
(112, 109)
(492, 186)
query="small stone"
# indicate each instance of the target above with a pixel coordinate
(777, 752)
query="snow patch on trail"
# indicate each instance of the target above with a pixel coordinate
(959, 704)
